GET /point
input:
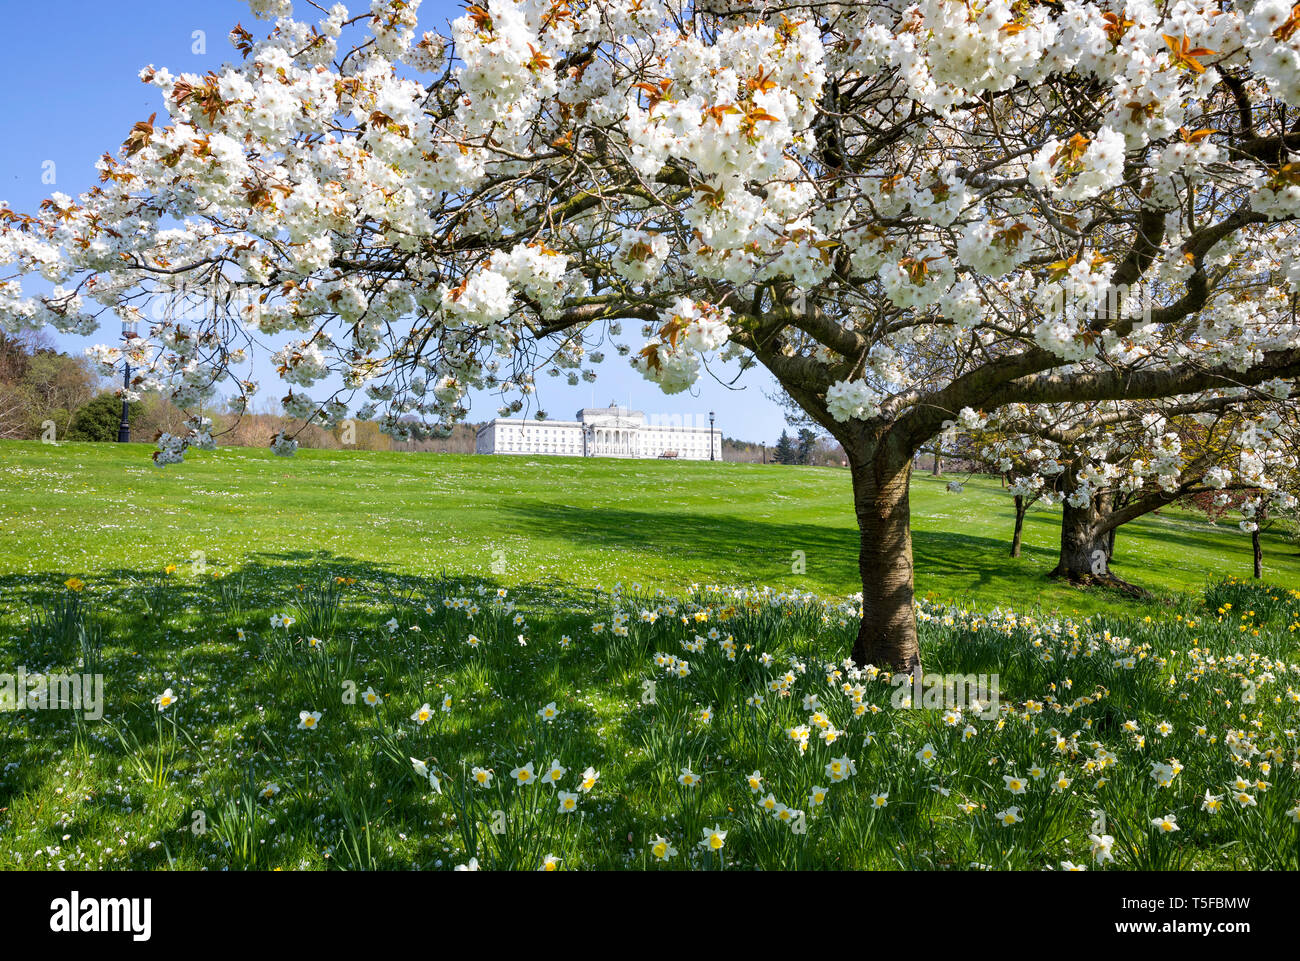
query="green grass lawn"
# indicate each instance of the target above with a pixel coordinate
(91, 510)
(486, 585)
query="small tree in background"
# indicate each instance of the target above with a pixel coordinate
(99, 419)
(807, 446)
(785, 449)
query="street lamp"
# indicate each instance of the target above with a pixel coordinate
(124, 428)
(711, 435)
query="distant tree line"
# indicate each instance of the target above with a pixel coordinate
(807, 448)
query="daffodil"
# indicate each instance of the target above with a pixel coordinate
(523, 775)
(422, 715)
(714, 838)
(662, 849)
(307, 720)
(841, 768)
(165, 700)
(1101, 847)
(1166, 824)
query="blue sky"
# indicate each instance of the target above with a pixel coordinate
(69, 91)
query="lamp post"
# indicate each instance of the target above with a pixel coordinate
(124, 428)
(711, 435)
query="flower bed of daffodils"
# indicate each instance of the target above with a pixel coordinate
(448, 724)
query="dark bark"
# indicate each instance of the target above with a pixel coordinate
(1022, 505)
(1085, 547)
(887, 635)
(936, 466)
(1257, 546)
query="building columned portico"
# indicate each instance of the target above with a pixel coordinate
(611, 431)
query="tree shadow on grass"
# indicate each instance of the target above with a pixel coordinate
(227, 689)
(763, 548)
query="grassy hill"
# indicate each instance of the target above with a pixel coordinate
(381, 618)
(102, 511)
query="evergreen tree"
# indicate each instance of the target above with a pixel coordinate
(785, 450)
(807, 446)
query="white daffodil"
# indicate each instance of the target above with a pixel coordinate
(165, 700)
(1101, 847)
(1009, 817)
(662, 849)
(1166, 824)
(714, 838)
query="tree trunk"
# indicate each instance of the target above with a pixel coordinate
(936, 465)
(1022, 505)
(1086, 545)
(887, 634)
(1257, 546)
(1110, 545)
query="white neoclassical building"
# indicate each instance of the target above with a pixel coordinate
(611, 431)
